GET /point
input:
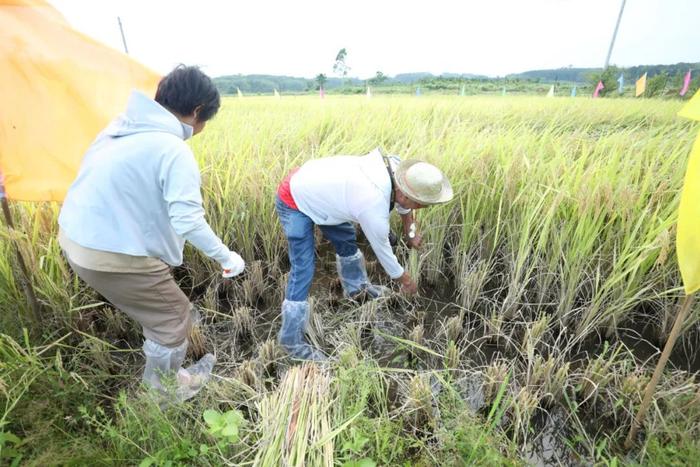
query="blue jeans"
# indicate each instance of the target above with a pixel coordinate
(299, 230)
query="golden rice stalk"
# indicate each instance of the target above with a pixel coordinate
(494, 376)
(472, 277)
(550, 375)
(493, 326)
(255, 272)
(371, 267)
(416, 315)
(414, 265)
(242, 322)
(254, 284)
(664, 242)
(368, 313)
(247, 373)
(98, 353)
(314, 324)
(417, 334)
(211, 296)
(596, 375)
(633, 386)
(452, 356)
(349, 335)
(269, 353)
(453, 328)
(249, 296)
(115, 320)
(418, 406)
(197, 340)
(274, 271)
(349, 357)
(524, 407)
(533, 336)
(295, 420)
(538, 370)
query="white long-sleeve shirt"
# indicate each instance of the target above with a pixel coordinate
(339, 189)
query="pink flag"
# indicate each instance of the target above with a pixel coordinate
(686, 83)
(321, 92)
(598, 88)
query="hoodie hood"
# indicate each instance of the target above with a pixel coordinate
(143, 114)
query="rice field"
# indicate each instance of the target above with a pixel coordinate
(547, 287)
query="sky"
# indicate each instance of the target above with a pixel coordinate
(302, 38)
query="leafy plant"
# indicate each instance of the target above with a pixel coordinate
(224, 426)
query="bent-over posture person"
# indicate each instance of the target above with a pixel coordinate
(127, 215)
(333, 193)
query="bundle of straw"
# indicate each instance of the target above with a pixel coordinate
(295, 420)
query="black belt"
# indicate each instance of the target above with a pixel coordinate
(392, 201)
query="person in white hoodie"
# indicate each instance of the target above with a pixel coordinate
(127, 215)
(334, 193)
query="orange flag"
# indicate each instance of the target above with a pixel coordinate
(641, 85)
(58, 89)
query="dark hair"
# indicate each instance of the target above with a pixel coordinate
(186, 88)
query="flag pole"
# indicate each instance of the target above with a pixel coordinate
(651, 387)
(121, 29)
(26, 278)
(612, 42)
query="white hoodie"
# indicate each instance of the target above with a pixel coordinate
(138, 190)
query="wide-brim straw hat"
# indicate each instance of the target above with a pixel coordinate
(423, 183)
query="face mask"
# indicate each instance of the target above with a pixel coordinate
(187, 130)
(400, 209)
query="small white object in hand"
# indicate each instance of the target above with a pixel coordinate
(234, 266)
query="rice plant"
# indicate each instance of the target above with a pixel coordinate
(560, 239)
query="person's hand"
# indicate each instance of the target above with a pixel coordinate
(408, 285)
(234, 266)
(416, 242)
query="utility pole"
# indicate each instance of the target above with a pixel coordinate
(126, 50)
(612, 42)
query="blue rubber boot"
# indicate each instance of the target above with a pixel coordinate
(291, 336)
(353, 277)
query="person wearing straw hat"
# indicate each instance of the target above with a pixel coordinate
(334, 193)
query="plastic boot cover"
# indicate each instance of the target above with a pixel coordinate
(291, 336)
(161, 362)
(192, 379)
(353, 277)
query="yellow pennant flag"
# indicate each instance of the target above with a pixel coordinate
(688, 235)
(641, 85)
(58, 89)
